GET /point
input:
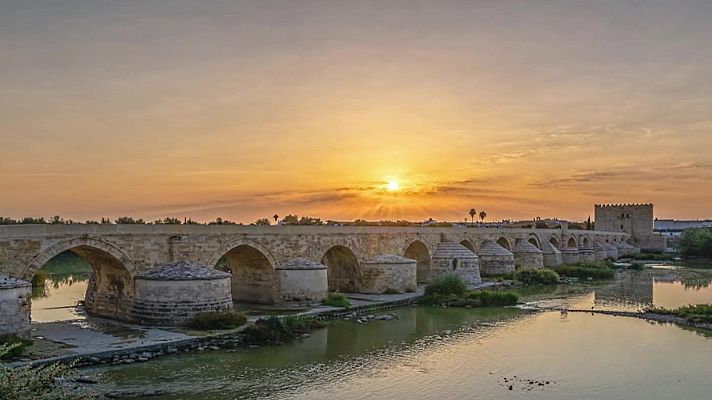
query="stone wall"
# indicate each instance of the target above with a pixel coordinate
(634, 219)
(454, 258)
(14, 306)
(386, 273)
(302, 280)
(160, 302)
(527, 256)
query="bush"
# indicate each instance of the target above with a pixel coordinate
(49, 382)
(337, 300)
(701, 313)
(696, 242)
(226, 319)
(638, 266)
(276, 330)
(39, 279)
(536, 276)
(447, 285)
(14, 346)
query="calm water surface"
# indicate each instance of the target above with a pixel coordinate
(438, 353)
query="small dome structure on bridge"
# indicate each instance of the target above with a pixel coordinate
(300, 279)
(171, 294)
(454, 258)
(495, 259)
(552, 255)
(527, 256)
(611, 251)
(388, 272)
(599, 251)
(14, 306)
(626, 249)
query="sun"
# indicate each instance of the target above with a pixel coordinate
(393, 186)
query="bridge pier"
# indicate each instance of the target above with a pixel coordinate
(527, 255)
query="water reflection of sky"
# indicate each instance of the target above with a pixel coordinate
(57, 301)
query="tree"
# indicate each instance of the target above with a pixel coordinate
(483, 215)
(129, 221)
(168, 221)
(472, 215)
(276, 217)
(290, 220)
(262, 221)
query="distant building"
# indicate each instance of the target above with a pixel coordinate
(633, 219)
(672, 229)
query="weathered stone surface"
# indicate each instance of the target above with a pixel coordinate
(181, 271)
(611, 251)
(599, 251)
(586, 254)
(301, 279)
(552, 255)
(388, 272)
(172, 294)
(14, 306)
(527, 256)
(570, 255)
(454, 258)
(495, 259)
(118, 253)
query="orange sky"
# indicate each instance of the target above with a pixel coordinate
(246, 109)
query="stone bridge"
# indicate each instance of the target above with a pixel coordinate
(117, 253)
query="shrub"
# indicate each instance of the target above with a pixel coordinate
(696, 242)
(49, 382)
(638, 266)
(651, 256)
(225, 319)
(700, 313)
(447, 285)
(276, 330)
(337, 300)
(537, 276)
(14, 346)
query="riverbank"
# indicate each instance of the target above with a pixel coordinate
(98, 341)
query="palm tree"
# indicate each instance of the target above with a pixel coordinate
(472, 214)
(275, 216)
(483, 215)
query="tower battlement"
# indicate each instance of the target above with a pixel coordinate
(634, 219)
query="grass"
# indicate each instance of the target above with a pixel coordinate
(337, 300)
(226, 319)
(587, 270)
(452, 291)
(536, 276)
(447, 285)
(651, 256)
(15, 346)
(700, 313)
(637, 266)
(278, 330)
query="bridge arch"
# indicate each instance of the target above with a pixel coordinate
(584, 241)
(554, 242)
(468, 244)
(571, 243)
(534, 239)
(251, 267)
(418, 251)
(110, 290)
(342, 269)
(504, 242)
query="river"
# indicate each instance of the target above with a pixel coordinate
(451, 353)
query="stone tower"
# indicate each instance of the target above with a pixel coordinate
(633, 219)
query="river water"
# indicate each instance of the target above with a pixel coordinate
(451, 353)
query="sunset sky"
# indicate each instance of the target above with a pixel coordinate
(246, 109)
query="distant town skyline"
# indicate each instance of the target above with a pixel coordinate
(345, 110)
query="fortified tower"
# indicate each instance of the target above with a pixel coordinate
(633, 219)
